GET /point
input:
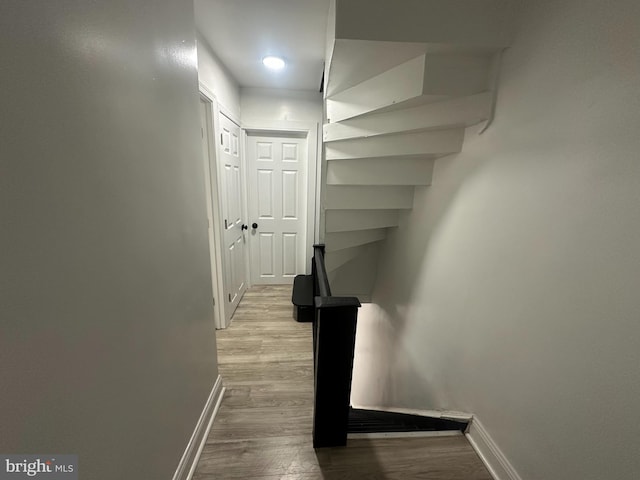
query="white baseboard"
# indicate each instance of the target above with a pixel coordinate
(191, 455)
(490, 453)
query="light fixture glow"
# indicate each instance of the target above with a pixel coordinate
(273, 63)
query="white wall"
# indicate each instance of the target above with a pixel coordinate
(511, 290)
(107, 343)
(259, 104)
(215, 76)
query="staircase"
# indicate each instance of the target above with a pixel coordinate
(334, 325)
(403, 81)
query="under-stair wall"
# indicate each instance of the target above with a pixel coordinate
(511, 289)
(403, 81)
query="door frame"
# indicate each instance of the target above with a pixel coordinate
(310, 131)
(212, 215)
(218, 262)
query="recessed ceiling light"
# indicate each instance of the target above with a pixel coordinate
(273, 63)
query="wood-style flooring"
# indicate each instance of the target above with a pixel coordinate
(263, 427)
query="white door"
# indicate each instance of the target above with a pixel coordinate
(232, 207)
(277, 207)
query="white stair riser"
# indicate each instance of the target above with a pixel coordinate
(368, 197)
(376, 171)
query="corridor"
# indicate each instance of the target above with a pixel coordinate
(263, 427)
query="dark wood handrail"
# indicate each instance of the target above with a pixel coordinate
(320, 278)
(334, 334)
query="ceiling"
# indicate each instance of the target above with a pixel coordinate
(242, 32)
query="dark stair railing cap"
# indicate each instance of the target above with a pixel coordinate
(337, 302)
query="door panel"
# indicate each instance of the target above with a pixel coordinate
(277, 203)
(234, 237)
(267, 253)
(289, 254)
(290, 194)
(265, 195)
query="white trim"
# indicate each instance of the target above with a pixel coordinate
(316, 230)
(311, 130)
(208, 163)
(441, 433)
(218, 232)
(489, 452)
(268, 125)
(191, 455)
(227, 113)
(209, 92)
(206, 91)
(245, 205)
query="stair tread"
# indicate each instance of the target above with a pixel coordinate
(375, 421)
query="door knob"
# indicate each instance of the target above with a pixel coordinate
(254, 225)
(244, 227)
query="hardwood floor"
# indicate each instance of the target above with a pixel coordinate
(263, 427)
